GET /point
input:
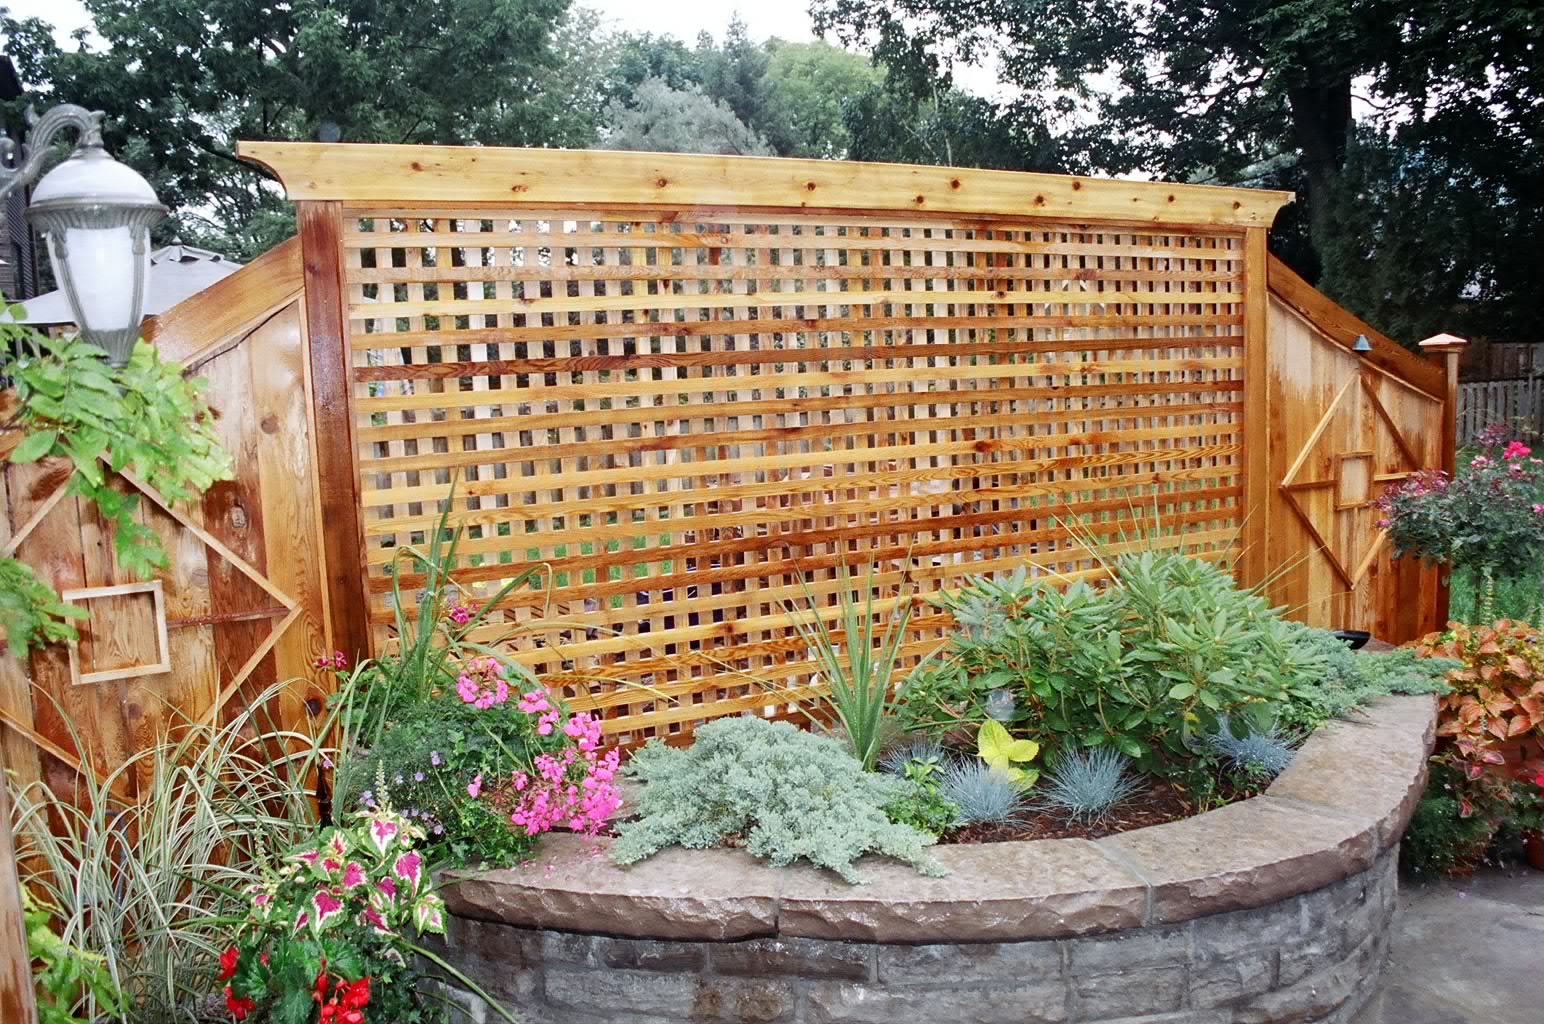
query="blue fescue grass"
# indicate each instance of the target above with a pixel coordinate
(1086, 784)
(984, 796)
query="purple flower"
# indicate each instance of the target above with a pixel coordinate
(434, 758)
(418, 776)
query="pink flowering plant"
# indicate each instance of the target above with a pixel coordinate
(488, 766)
(475, 751)
(1488, 519)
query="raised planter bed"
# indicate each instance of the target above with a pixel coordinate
(1274, 909)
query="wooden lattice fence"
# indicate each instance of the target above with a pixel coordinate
(693, 389)
(690, 416)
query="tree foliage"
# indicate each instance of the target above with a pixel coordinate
(182, 80)
(1268, 94)
(665, 120)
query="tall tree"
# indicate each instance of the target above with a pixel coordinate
(185, 79)
(1207, 91)
(810, 86)
(949, 127)
(735, 73)
(665, 120)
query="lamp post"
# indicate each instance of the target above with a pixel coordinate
(97, 214)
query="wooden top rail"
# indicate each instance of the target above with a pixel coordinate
(195, 331)
(1343, 328)
(426, 175)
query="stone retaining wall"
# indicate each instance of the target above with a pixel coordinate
(1270, 911)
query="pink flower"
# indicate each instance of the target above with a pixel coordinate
(474, 789)
(460, 615)
(334, 661)
(1516, 450)
(482, 685)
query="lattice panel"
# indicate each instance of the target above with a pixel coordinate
(683, 413)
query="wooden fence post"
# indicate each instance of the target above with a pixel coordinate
(1450, 348)
(17, 1003)
(332, 398)
(1257, 480)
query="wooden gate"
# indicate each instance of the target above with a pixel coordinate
(1343, 425)
(241, 605)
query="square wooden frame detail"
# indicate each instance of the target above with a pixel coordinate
(1340, 478)
(163, 646)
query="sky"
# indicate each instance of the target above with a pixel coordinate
(786, 19)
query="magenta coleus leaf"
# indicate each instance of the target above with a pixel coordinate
(409, 868)
(353, 876)
(383, 833)
(326, 908)
(376, 922)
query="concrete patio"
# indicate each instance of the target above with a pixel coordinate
(1466, 951)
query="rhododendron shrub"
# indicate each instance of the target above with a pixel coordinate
(328, 937)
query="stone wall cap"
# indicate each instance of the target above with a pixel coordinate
(1345, 800)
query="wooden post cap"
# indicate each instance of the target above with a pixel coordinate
(1440, 342)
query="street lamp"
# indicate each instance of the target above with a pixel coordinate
(97, 215)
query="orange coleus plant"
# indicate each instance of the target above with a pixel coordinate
(1497, 701)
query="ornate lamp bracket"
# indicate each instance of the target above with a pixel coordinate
(40, 138)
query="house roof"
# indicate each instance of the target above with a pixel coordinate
(176, 273)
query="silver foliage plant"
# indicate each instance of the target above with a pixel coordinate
(1086, 784)
(984, 795)
(922, 747)
(790, 794)
(1264, 754)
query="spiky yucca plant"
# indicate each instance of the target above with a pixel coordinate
(859, 669)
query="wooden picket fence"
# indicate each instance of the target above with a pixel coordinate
(692, 391)
(1518, 404)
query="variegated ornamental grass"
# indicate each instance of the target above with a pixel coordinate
(152, 885)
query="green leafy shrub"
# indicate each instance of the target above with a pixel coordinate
(1146, 664)
(66, 978)
(1087, 784)
(790, 794)
(1151, 663)
(1451, 830)
(923, 806)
